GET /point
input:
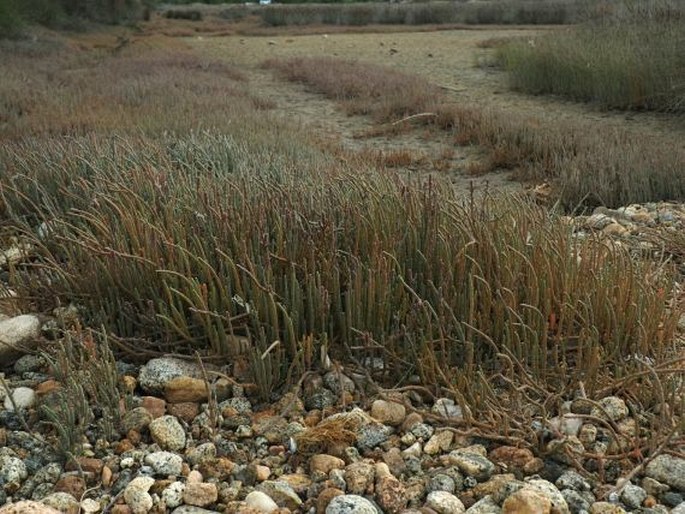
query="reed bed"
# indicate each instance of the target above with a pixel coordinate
(590, 166)
(631, 57)
(189, 240)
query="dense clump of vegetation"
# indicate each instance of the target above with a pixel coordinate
(589, 166)
(15, 14)
(630, 57)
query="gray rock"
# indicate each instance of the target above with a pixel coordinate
(444, 503)
(173, 494)
(261, 502)
(281, 492)
(441, 482)
(613, 406)
(12, 470)
(573, 480)
(168, 433)
(671, 499)
(422, 431)
(240, 404)
(485, 505)
(633, 496)
(164, 463)
(18, 335)
(350, 504)
(371, 435)
(21, 398)
(680, 509)
(447, 408)
(201, 453)
(667, 469)
(27, 363)
(63, 502)
(320, 399)
(338, 382)
(576, 502)
(548, 490)
(472, 464)
(189, 509)
(155, 375)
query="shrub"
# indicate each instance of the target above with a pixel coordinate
(629, 62)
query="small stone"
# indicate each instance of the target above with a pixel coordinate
(90, 506)
(136, 495)
(71, 484)
(371, 435)
(28, 507)
(548, 490)
(261, 502)
(412, 419)
(653, 487)
(155, 406)
(633, 496)
(201, 453)
(187, 411)
(106, 476)
(447, 408)
(350, 504)
(587, 434)
(414, 450)
(485, 505)
(136, 419)
(391, 494)
(568, 424)
(173, 494)
(157, 373)
(389, 413)
(90, 465)
(527, 500)
(186, 389)
(325, 498)
(164, 463)
(510, 457)
(472, 464)
(672, 499)
(444, 503)
(359, 477)
(439, 442)
(21, 397)
(62, 502)
(573, 480)
(324, 463)
(281, 493)
(168, 433)
(338, 382)
(606, 508)
(200, 494)
(576, 501)
(667, 469)
(613, 406)
(12, 470)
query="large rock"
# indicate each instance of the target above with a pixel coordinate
(28, 507)
(157, 373)
(136, 495)
(350, 504)
(18, 336)
(667, 469)
(168, 433)
(389, 413)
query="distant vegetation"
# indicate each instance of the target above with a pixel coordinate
(631, 57)
(15, 14)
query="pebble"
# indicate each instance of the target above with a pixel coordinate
(164, 463)
(62, 502)
(168, 433)
(447, 408)
(173, 494)
(200, 494)
(261, 502)
(324, 463)
(439, 442)
(185, 389)
(28, 507)
(633, 496)
(667, 469)
(472, 464)
(281, 492)
(21, 397)
(527, 500)
(444, 503)
(389, 413)
(350, 504)
(611, 406)
(136, 495)
(157, 373)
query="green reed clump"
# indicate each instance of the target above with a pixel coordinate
(630, 58)
(185, 257)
